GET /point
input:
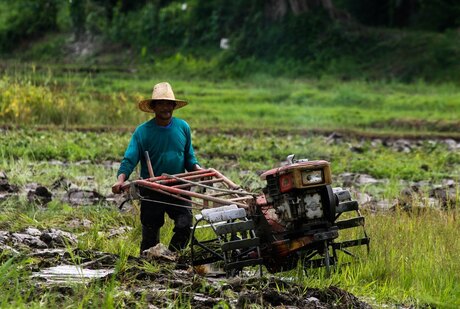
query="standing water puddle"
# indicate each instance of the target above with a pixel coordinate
(72, 274)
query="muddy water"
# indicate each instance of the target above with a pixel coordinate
(71, 274)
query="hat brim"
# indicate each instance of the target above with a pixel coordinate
(144, 105)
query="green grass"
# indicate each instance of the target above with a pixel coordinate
(250, 152)
(54, 95)
(413, 260)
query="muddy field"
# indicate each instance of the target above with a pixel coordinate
(424, 193)
(54, 270)
(54, 253)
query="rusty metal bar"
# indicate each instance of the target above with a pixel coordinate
(173, 190)
(209, 187)
(186, 185)
(228, 181)
(222, 194)
(168, 180)
(176, 196)
(241, 198)
(187, 174)
(202, 171)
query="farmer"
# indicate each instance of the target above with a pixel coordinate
(168, 142)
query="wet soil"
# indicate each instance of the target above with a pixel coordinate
(414, 194)
(57, 267)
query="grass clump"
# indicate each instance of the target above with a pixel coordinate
(412, 262)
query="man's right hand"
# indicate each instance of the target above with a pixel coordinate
(116, 188)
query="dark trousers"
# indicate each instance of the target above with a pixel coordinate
(152, 218)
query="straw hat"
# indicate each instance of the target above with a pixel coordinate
(161, 91)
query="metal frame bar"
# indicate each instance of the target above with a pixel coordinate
(178, 186)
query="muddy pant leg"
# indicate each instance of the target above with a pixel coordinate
(152, 219)
(150, 237)
(182, 223)
(180, 239)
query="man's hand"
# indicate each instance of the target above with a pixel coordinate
(196, 167)
(116, 188)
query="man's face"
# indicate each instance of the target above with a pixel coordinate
(163, 109)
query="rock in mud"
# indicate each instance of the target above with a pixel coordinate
(355, 179)
(111, 165)
(452, 145)
(33, 238)
(56, 238)
(358, 148)
(362, 198)
(5, 186)
(78, 223)
(38, 194)
(119, 231)
(28, 240)
(33, 231)
(63, 183)
(83, 197)
(364, 179)
(83, 162)
(4, 237)
(447, 197)
(402, 145)
(425, 194)
(6, 189)
(274, 293)
(7, 249)
(334, 138)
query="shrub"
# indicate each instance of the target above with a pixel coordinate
(27, 19)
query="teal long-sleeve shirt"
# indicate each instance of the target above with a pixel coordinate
(170, 149)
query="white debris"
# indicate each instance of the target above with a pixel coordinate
(224, 43)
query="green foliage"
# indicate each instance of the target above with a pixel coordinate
(22, 102)
(316, 42)
(437, 15)
(77, 10)
(25, 19)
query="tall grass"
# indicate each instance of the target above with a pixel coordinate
(413, 260)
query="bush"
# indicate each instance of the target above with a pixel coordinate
(27, 19)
